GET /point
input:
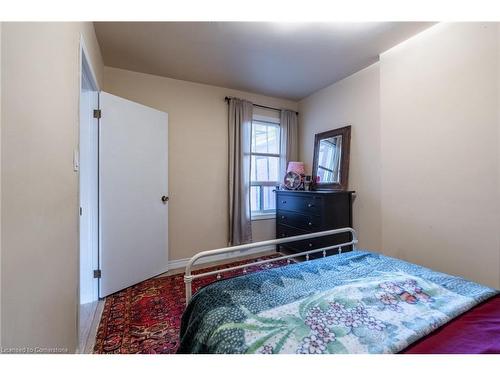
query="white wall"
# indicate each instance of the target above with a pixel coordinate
(427, 170)
(39, 118)
(439, 116)
(353, 101)
(198, 165)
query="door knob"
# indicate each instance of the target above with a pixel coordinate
(164, 199)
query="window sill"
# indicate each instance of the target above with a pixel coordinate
(263, 216)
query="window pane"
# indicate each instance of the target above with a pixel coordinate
(255, 198)
(264, 168)
(269, 198)
(273, 139)
(265, 138)
(259, 137)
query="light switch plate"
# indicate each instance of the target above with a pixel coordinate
(76, 161)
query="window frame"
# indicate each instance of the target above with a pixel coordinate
(271, 213)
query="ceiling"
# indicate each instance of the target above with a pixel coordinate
(286, 60)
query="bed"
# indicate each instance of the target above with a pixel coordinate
(354, 302)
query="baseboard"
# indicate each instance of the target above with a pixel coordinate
(181, 263)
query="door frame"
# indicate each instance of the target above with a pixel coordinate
(85, 72)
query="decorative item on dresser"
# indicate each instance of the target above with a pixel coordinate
(331, 159)
(294, 178)
(301, 212)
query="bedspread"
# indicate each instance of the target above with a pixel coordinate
(356, 302)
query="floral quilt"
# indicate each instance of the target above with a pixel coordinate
(356, 302)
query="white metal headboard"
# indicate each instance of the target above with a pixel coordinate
(188, 277)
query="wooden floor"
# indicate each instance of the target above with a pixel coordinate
(90, 316)
(90, 313)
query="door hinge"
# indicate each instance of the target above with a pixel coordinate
(97, 113)
(81, 211)
(97, 274)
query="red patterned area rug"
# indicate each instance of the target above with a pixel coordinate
(146, 317)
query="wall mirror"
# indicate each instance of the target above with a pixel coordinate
(331, 159)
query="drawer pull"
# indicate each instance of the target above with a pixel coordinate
(283, 217)
(283, 202)
(282, 234)
(310, 224)
(310, 205)
(310, 244)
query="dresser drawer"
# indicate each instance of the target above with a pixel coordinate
(294, 219)
(300, 203)
(283, 231)
(321, 242)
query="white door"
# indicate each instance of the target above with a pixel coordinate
(133, 193)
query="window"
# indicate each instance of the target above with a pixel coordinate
(264, 169)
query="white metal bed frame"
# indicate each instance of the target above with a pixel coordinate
(188, 277)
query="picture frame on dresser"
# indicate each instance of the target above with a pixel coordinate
(330, 169)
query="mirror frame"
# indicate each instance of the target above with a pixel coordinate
(345, 132)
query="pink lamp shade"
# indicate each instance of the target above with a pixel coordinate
(296, 166)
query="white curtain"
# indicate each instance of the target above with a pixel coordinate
(240, 130)
(289, 150)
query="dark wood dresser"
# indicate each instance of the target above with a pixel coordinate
(301, 212)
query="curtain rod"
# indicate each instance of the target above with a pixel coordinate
(227, 98)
